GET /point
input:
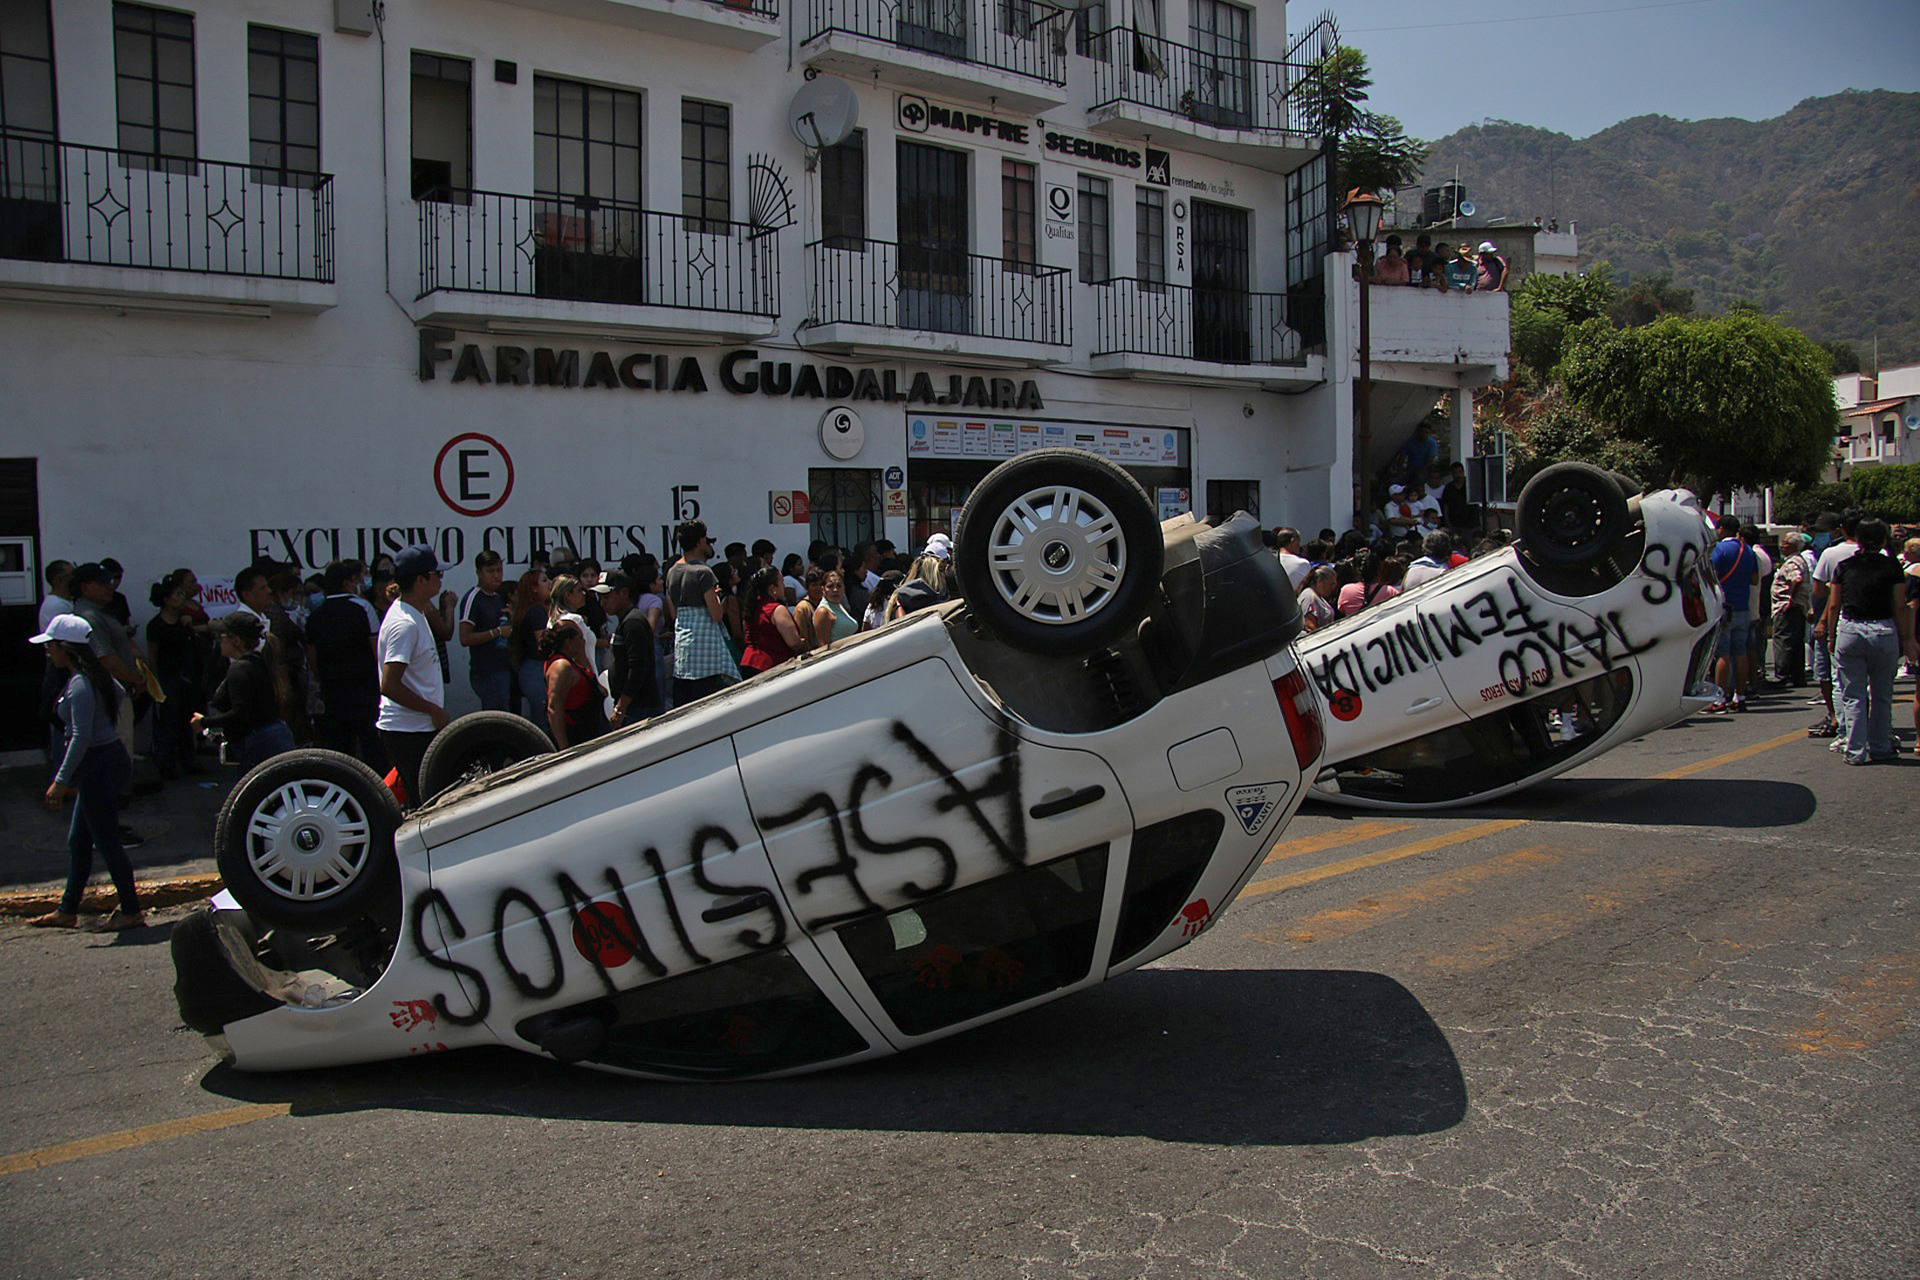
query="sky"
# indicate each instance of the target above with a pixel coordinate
(1579, 66)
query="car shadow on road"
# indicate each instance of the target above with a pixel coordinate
(1228, 1057)
(1679, 802)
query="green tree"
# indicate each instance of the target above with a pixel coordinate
(1557, 430)
(1378, 155)
(1845, 358)
(1890, 491)
(1649, 298)
(1721, 403)
(1545, 307)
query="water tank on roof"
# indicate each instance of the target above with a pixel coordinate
(1443, 201)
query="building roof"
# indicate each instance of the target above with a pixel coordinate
(1875, 406)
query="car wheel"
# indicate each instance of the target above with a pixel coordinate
(1570, 514)
(306, 840)
(1058, 551)
(477, 744)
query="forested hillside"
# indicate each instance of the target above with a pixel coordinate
(1813, 216)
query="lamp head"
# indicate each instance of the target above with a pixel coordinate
(1363, 209)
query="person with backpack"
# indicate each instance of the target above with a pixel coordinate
(1738, 570)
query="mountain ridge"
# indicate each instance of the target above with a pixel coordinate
(1813, 215)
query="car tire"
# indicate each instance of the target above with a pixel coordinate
(477, 744)
(1570, 514)
(1058, 551)
(305, 840)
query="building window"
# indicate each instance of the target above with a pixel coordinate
(1096, 230)
(1150, 236)
(1225, 497)
(442, 128)
(843, 193)
(26, 70)
(1016, 17)
(1090, 24)
(1146, 17)
(153, 73)
(586, 142)
(1018, 243)
(283, 105)
(844, 505)
(705, 142)
(1223, 47)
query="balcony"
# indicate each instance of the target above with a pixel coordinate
(1245, 110)
(1176, 333)
(1000, 54)
(1430, 337)
(872, 297)
(735, 24)
(509, 264)
(96, 226)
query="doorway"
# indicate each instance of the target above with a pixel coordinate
(933, 239)
(1220, 282)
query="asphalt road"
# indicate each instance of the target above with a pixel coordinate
(1656, 1018)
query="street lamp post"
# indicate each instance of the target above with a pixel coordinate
(1363, 209)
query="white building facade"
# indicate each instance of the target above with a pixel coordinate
(314, 279)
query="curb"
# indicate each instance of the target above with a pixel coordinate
(153, 893)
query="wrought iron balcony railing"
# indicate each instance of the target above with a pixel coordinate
(909, 286)
(1004, 34)
(586, 250)
(1220, 88)
(66, 202)
(1187, 322)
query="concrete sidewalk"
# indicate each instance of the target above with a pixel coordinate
(174, 865)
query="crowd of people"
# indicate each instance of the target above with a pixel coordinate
(1460, 268)
(355, 658)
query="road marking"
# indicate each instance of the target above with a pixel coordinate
(1503, 941)
(1862, 1010)
(1744, 753)
(1276, 883)
(1393, 854)
(1340, 922)
(1333, 839)
(42, 1157)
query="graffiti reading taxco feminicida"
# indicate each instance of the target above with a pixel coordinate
(1530, 649)
(668, 903)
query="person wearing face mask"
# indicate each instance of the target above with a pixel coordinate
(176, 664)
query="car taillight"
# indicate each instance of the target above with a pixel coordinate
(1693, 605)
(1303, 718)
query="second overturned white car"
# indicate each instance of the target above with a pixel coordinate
(1597, 627)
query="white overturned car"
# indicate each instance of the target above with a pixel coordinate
(978, 809)
(1596, 628)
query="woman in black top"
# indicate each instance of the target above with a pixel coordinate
(1870, 626)
(247, 705)
(176, 664)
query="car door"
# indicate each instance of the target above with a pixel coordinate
(645, 902)
(1379, 677)
(948, 867)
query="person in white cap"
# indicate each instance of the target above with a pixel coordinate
(94, 767)
(1493, 268)
(412, 698)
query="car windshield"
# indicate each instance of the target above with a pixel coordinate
(1493, 751)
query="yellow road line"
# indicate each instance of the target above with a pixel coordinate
(1276, 883)
(1701, 766)
(1394, 854)
(42, 1157)
(1333, 839)
(1340, 922)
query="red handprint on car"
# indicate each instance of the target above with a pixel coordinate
(1194, 917)
(936, 970)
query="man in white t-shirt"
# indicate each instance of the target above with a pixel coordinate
(1830, 559)
(412, 697)
(1287, 543)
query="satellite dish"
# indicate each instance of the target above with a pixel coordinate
(1466, 209)
(823, 113)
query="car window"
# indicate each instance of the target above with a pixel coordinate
(968, 953)
(755, 1014)
(1163, 865)
(1513, 743)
